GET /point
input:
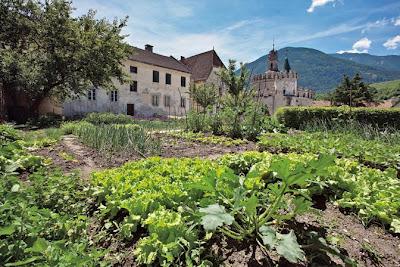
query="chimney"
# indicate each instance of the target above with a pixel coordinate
(148, 48)
(182, 58)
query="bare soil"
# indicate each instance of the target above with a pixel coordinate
(369, 246)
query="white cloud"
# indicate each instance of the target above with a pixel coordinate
(361, 46)
(318, 3)
(392, 43)
(377, 24)
(397, 22)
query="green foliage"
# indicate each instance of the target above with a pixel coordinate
(359, 130)
(343, 145)
(204, 95)
(114, 137)
(208, 139)
(197, 122)
(173, 199)
(235, 114)
(8, 133)
(44, 121)
(297, 117)
(162, 125)
(98, 118)
(387, 90)
(353, 93)
(38, 227)
(48, 52)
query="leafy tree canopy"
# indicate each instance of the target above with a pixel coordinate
(353, 92)
(46, 52)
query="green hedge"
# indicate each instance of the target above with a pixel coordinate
(296, 117)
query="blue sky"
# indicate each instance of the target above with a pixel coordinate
(244, 30)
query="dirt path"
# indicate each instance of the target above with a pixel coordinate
(78, 150)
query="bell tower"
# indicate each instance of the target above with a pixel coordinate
(273, 59)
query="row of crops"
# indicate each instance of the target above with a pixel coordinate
(173, 210)
(43, 212)
(181, 203)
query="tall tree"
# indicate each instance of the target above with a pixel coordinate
(239, 97)
(204, 95)
(353, 92)
(46, 52)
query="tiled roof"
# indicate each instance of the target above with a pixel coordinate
(202, 64)
(158, 60)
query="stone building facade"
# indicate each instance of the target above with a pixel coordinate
(160, 87)
(280, 88)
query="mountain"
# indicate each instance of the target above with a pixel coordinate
(323, 72)
(383, 62)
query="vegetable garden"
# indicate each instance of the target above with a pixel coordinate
(157, 210)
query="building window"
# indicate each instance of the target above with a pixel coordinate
(183, 102)
(155, 100)
(167, 78)
(133, 86)
(114, 96)
(167, 101)
(92, 94)
(133, 69)
(156, 76)
(183, 81)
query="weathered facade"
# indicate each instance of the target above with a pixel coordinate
(280, 88)
(159, 86)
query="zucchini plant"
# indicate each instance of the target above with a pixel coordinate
(257, 210)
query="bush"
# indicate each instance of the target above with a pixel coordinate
(48, 120)
(8, 133)
(198, 122)
(108, 118)
(297, 117)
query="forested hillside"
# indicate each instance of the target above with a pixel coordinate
(323, 72)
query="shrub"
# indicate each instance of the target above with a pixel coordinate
(198, 122)
(8, 133)
(297, 117)
(108, 118)
(48, 120)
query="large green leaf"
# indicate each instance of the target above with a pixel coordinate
(288, 247)
(39, 246)
(250, 205)
(215, 216)
(7, 230)
(268, 236)
(285, 244)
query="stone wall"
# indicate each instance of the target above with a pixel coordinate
(142, 99)
(278, 89)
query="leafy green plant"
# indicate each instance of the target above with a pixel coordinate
(44, 222)
(342, 145)
(252, 211)
(108, 118)
(208, 139)
(8, 133)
